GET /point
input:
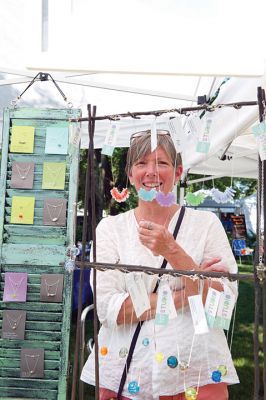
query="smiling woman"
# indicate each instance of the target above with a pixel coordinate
(170, 360)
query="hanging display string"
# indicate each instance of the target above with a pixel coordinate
(41, 76)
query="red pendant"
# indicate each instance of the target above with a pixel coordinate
(119, 196)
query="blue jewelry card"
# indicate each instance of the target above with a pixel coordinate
(56, 140)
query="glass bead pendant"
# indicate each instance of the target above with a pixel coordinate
(191, 393)
(133, 387)
(183, 365)
(103, 350)
(216, 376)
(222, 369)
(145, 342)
(159, 357)
(123, 352)
(172, 362)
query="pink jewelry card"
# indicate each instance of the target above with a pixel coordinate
(15, 288)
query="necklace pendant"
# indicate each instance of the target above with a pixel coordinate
(172, 362)
(23, 177)
(191, 393)
(55, 219)
(31, 372)
(133, 387)
(123, 352)
(183, 365)
(14, 295)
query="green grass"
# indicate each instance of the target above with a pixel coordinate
(242, 345)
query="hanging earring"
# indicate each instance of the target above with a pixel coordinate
(165, 200)
(119, 196)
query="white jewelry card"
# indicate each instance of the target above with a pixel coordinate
(56, 141)
(211, 305)
(225, 309)
(138, 293)
(165, 308)
(74, 134)
(176, 132)
(198, 314)
(110, 139)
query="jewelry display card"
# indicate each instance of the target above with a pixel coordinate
(22, 210)
(15, 288)
(52, 288)
(54, 212)
(22, 175)
(54, 175)
(22, 139)
(13, 324)
(32, 363)
(56, 141)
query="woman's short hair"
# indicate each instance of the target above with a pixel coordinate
(140, 146)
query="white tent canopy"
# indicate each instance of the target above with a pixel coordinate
(114, 69)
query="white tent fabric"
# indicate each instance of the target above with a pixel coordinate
(97, 70)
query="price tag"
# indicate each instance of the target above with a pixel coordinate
(225, 309)
(74, 135)
(165, 308)
(110, 139)
(203, 144)
(198, 314)
(211, 306)
(153, 135)
(176, 132)
(138, 293)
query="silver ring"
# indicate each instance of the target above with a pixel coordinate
(149, 226)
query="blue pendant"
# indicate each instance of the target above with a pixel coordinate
(216, 376)
(172, 362)
(133, 387)
(145, 342)
(147, 195)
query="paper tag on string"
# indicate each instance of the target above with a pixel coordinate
(165, 308)
(153, 135)
(198, 314)
(203, 144)
(211, 305)
(74, 134)
(176, 132)
(259, 132)
(225, 309)
(110, 139)
(138, 293)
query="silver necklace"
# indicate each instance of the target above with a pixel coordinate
(15, 286)
(13, 323)
(32, 365)
(51, 208)
(56, 175)
(51, 288)
(23, 172)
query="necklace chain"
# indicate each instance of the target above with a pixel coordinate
(23, 172)
(55, 175)
(51, 288)
(13, 323)
(15, 286)
(51, 213)
(34, 366)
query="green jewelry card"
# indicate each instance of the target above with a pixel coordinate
(22, 210)
(22, 139)
(54, 175)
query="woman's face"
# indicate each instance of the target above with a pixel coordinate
(155, 170)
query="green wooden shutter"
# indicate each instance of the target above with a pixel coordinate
(37, 249)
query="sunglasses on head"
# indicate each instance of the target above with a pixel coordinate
(160, 132)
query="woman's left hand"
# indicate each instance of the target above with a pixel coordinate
(155, 237)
